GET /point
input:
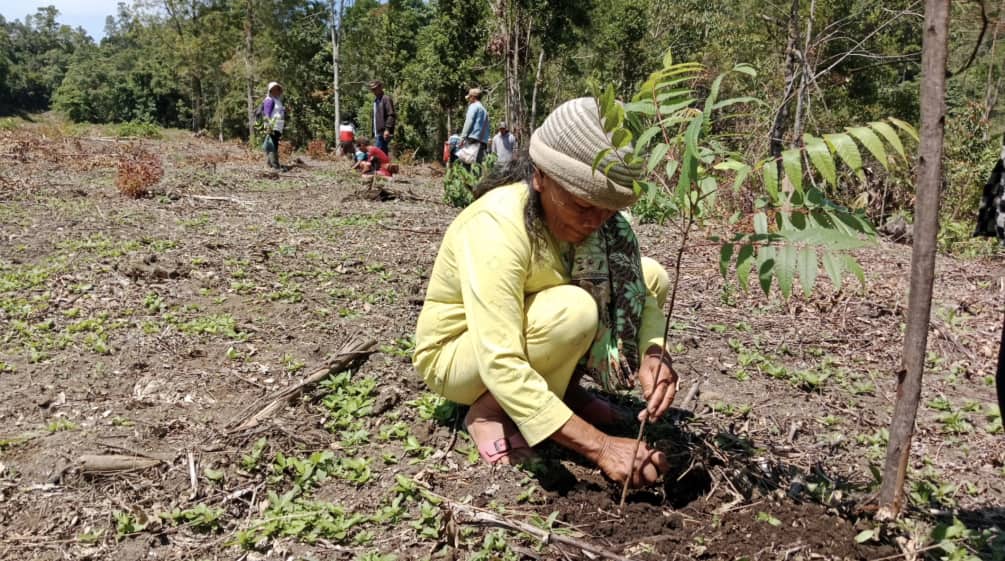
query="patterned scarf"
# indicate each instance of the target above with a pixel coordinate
(608, 265)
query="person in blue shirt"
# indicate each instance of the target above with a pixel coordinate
(476, 124)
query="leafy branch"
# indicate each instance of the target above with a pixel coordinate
(677, 136)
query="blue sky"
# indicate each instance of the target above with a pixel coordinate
(89, 14)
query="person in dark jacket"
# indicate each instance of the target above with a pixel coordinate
(991, 216)
(384, 117)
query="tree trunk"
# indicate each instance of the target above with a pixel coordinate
(336, 25)
(991, 95)
(249, 74)
(533, 97)
(777, 139)
(926, 223)
(805, 76)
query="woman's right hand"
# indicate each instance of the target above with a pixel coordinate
(616, 459)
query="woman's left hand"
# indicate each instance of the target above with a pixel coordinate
(659, 383)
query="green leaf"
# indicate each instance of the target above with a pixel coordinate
(785, 269)
(906, 127)
(744, 68)
(646, 107)
(621, 138)
(807, 269)
(820, 157)
(713, 95)
(793, 167)
(832, 265)
(668, 59)
(671, 168)
(760, 223)
(692, 134)
(734, 101)
(765, 268)
(744, 262)
(887, 132)
(864, 536)
(725, 256)
(646, 137)
(845, 147)
(852, 265)
(824, 236)
(600, 158)
(871, 142)
(614, 117)
(770, 171)
(656, 156)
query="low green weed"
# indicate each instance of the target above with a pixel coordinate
(200, 517)
(290, 516)
(138, 129)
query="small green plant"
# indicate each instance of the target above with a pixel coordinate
(432, 406)
(765, 517)
(402, 347)
(126, 524)
(252, 460)
(61, 424)
(200, 517)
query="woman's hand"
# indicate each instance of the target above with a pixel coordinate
(612, 455)
(616, 458)
(659, 383)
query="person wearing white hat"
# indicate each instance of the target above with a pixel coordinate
(539, 282)
(274, 113)
(475, 133)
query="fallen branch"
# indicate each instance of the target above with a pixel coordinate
(224, 199)
(343, 359)
(481, 517)
(114, 463)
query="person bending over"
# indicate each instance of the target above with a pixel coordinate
(537, 282)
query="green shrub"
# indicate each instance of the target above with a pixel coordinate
(460, 181)
(138, 129)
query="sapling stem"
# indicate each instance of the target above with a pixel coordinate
(664, 353)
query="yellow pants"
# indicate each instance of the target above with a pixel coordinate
(561, 323)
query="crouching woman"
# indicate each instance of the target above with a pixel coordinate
(537, 282)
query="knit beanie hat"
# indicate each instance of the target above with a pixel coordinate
(565, 146)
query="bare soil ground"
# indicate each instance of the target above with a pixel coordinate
(146, 327)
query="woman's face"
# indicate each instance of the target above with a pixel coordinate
(568, 217)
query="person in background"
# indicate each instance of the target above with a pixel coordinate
(274, 117)
(372, 160)
(450, 149)
(384, 117)
(538, 282)
(476, 124)
(347, 138)
(503, 145)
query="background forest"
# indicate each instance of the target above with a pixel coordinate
(823, 65)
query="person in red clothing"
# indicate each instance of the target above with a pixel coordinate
(370, 159)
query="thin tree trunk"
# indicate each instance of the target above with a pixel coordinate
(777, 139)
(991, 95)
(926, 223)
(249, 45)
(533, 96)
(805, 75)
(336, 25)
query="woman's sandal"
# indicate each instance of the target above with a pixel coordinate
(503, 448)
(498, 440)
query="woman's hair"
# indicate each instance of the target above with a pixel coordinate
(519, 169)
